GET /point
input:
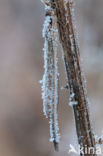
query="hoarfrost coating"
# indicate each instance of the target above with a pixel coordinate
(51, 76)
(72, 102)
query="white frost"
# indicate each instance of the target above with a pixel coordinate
(51, 76)
(72, 101)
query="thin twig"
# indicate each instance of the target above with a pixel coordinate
(50, 78)
(74, 74)
(63, 11)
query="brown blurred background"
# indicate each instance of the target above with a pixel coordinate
(24, 130)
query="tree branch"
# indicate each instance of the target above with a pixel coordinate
(75, 77)
(63, 11)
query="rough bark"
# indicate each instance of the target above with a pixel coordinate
(63, 12)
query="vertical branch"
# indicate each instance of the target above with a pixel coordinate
(60, 12)
(50, 78)
(78, 94)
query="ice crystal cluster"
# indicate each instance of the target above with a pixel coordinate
(51, 75)
(50, 79)
(72, 102)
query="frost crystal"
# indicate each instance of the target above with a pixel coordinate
(72, 102)
(99, 140)
(51, 76)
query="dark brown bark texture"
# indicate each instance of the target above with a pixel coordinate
(63, 12)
